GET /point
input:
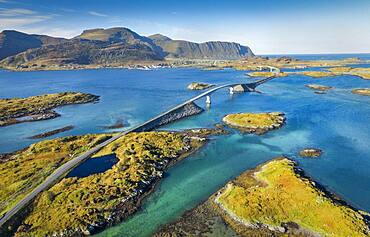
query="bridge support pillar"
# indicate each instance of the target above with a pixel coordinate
(208, 100)
(231, 90)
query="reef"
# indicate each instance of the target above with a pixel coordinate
(310, 152)
(199, 86)
(35, 108)
(82, 206)
(258, 123)
(274, 199)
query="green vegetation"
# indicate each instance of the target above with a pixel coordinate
(255, 122)
(22, 171)
(39, 107)
(79, 205)
(316, 73)
(276, 195)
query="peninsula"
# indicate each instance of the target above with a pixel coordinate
(40, 107)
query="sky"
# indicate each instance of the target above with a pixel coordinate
(267, 26)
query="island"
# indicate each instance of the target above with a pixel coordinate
(40, 107)
(363, 73)
(310, 152)
(258, 123)
(362, 91)
(199, 86)
(274, 199)
(84, 205)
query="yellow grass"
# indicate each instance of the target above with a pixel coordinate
(275, 194)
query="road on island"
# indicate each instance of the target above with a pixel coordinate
(68, 166)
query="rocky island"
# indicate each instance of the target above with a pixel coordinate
(258, 123)
(318, 87)
(310, 152)
(274, 199)
(362, 91)
(85, 205)
(40, 107)
(199, 86)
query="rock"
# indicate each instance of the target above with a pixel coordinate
(310, 152)
(241, 88)
(318, 87)
(199, 86)
(362, 91)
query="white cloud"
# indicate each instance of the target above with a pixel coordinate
(12, 12)
(18, 17)
(16, 22)
(94, 13)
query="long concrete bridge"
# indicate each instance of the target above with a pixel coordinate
(146, 126)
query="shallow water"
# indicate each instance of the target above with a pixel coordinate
(337, 122)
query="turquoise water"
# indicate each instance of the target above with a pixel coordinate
(337, 122)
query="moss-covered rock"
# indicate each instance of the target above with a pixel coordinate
(277, 197)
(199, 86)
(258, 123)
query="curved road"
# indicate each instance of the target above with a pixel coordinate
(68, 166)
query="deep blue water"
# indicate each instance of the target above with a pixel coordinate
(337, 122)
(94, 166)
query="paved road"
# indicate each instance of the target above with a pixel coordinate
(68, 166)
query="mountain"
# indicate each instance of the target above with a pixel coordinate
(207, 50)
(107, 46)
(13, 42)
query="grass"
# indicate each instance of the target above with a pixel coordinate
(316, 73)
(18, 107)
(275, 193)
(78, 203)
(27, 168)
(250, 120)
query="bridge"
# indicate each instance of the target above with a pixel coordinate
(61, 171)
(271, 68)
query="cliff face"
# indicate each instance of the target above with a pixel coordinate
(13, 42)
(107, 46)
(207, 50)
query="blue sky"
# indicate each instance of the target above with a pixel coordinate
(267, 26)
